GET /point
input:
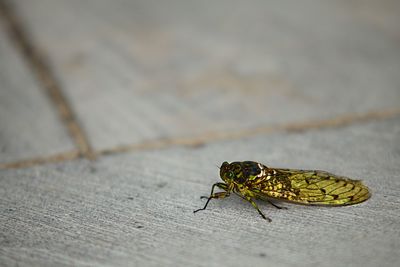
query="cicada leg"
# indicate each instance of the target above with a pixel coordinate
(215, 195)
(249, 199)
(276, 206)
(256, 207)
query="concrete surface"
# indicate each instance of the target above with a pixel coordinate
(181, 68)
(29, 126)
(137, 209)
(166, 91)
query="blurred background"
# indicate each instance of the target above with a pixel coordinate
(134, 72)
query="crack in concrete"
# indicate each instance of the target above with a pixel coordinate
(337, 122)
(40, 68)
(66, 156)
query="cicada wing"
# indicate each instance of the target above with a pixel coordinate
(324, 188)
(312, 188)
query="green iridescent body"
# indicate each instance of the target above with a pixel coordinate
(251, 180)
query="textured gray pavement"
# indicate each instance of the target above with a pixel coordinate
(181, 68)
(151, 96)
(29, 126)
(137, 209)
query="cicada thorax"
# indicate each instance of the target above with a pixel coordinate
(237, 175)
(255, 175)
(243, 172)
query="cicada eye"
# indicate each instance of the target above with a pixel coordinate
(224, 165)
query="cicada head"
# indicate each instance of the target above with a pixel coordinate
(226, 173)
(240, 172)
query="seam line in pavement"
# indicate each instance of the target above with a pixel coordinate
(337, 122)
(42, 71)
(66, 156)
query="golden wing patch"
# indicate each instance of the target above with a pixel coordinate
(323, 188)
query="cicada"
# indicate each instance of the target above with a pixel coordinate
(252, 180)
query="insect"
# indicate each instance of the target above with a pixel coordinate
(252, 180)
